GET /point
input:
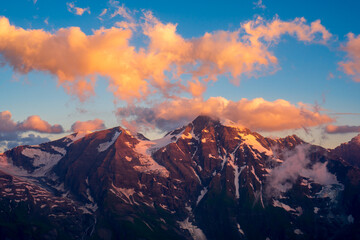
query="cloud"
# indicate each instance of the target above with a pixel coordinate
(332, 129)
(77, 10)
(13, 139)
(77, 59)
(103, 12)
(257, 114)
(123, 12)
(271, 31)
(259, 4)
(32, 123)
(297, 163)
(35, 123)
(90, 125)
(352, 65)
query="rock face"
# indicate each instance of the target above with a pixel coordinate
(206, 180)
(350, 151)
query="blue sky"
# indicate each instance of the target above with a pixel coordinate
(306, 71)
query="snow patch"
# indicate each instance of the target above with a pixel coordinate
(254, 174)
(76, 136)
(148, 164)
(104, 146)
(7, 166)
(60, 150)
(195, 232)
(251, 140)
(44, 160)
(316, 210)
(236, 180)
(240, 230)
(126, 192)
(202, 194)
(287, 208)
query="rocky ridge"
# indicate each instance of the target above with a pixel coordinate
(206, 180)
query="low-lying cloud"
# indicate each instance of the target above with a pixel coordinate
(32, 123)
(332, 129)
(257, 114)
(297, 163)
(77, 59)
(13, 139)
(13, 133)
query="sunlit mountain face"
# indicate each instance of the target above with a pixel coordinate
(206, 180)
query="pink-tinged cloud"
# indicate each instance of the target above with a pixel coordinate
(77, 59)
(352, 65)
(91, 125)
(257, 114)
(272, 31)
(332, 129)
(32, 123)
(77, 10)
(104, 11)
(259, 4)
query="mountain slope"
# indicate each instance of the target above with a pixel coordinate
(350, 151)
(204, 180)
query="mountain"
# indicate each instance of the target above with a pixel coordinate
(206, 180)
(349, 152)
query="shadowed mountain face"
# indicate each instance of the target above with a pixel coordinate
(350, 151)
(206, 180)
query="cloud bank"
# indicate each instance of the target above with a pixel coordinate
(32, 123)
(12, 133)
(257, 114)
(332, 129)
(77, 59)
(11, 140)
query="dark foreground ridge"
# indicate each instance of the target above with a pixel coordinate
(206, 180)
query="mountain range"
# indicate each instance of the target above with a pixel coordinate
(206, 180)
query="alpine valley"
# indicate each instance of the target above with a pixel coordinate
(206, 180)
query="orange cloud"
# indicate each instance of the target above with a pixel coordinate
(77, 59)
(257, 114)
(332, 129)
(352, 48)
(271, 31)
(32, 123)
(77, 10)
(90, 125)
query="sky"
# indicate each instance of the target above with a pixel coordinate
(276, 67)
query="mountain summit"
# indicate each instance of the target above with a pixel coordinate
(206, 180)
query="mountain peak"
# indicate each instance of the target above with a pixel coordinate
(356, 139)
(205, 119)
(184, 181)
